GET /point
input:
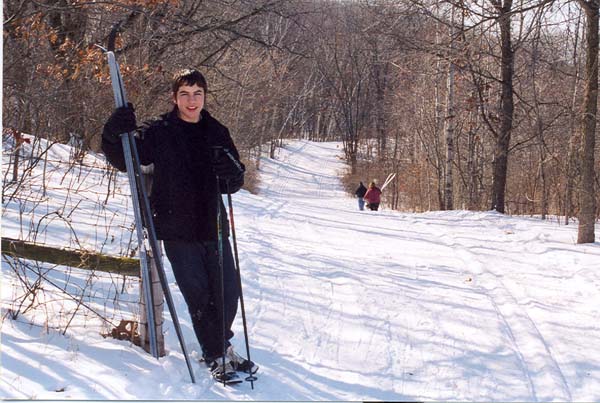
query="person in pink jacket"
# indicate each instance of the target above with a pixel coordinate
(373, 197)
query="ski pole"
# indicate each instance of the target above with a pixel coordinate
(216, 153)
(153, 241)
(251, 378)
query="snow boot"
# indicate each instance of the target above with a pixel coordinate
(239, 363)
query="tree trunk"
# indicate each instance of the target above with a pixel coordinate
(587, 200)
(574, 139)
(449, 123)
(16, 157)
(380, 73)
(473, 163)
(448, 190)
(500, 169)
(438, 128)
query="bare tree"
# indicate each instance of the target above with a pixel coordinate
(587, 195)
(570, 171)
(500, 166)
(449, 120)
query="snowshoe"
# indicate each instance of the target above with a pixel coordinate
(227, 374)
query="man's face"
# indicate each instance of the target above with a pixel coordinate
(190, 101)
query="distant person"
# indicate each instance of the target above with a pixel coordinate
(373, 197)
(360, 193)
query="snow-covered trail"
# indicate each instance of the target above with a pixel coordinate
(341, 304)
(382, 305)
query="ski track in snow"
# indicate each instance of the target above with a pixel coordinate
(387, 345)
(538, 365)
(546, 381)
(358, 305)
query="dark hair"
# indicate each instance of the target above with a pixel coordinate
(188, 77)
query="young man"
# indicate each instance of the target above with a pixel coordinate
(189, 149)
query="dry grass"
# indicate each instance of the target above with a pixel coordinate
(251, 179)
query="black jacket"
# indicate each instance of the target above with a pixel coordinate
(184, 190)
(360, 191)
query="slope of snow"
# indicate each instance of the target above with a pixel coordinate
(342, 304)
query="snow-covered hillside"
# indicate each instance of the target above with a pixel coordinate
(342, 304)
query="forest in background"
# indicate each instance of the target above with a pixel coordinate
(487, 104)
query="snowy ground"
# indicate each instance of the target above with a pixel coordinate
(342, 304)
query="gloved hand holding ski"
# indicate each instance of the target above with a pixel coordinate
(121, 121)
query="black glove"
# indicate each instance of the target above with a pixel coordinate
(226, 167)
(121, 121)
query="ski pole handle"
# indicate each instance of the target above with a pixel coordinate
(217, 152)
(235, 162)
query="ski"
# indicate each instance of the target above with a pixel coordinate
(148, 243)
(388, 180)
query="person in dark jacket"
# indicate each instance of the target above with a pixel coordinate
(373, 197)
(184, 200)
(360, 193)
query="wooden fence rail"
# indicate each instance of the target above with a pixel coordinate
(70, 257)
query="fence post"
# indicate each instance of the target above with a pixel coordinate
(157, 292)
(158, 296)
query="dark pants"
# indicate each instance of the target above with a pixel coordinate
(196, 269)
(373, 206)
